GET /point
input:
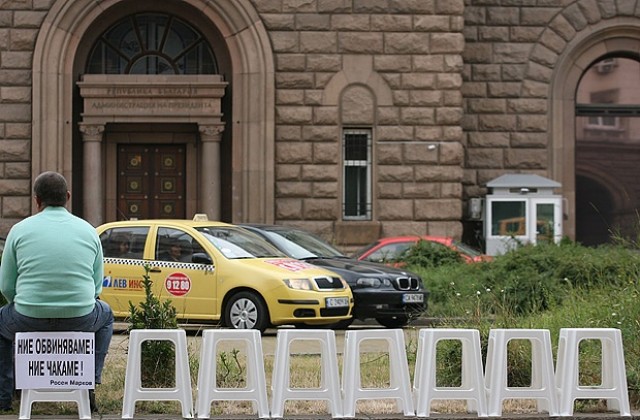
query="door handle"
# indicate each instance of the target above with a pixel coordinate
(155, 270)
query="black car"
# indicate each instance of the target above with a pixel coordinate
(393, 297)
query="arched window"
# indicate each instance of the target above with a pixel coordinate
(151, 43)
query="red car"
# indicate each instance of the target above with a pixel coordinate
(392, 248)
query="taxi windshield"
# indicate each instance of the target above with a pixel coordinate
(300, 240)
(235, 243)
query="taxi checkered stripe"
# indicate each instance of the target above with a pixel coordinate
(161, 264)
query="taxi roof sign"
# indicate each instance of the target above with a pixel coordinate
(200, 217)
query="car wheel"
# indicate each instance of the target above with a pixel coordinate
(395, 322)
(246, 310)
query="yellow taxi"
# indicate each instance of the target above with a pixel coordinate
(214, 271)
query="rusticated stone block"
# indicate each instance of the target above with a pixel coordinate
(278, 22)
(451, 190)
(320, 133)
(299, 6)
(289, 209)
(484, 158)
(421, 190)
(420, 153)
(294, 152)
(11, 187)
(288, 133)
(437, 173)
(445, 228)
(320, 209)
(288, 172)
(395, 209)
(294, 115)
(324, 62)
(28, 18)
(294, 81)
(438, 209)
(389, 189)
(22, 39)
(290, 62)
(325, 189)
(451, 154)
(312, 22)
(356, 232)
(391, 23)
(325, 153)
(320, 172)
(17, 170)
(10, 112)
(389, 154)
(489, 139)
(395, 173)
(532, 123)
(16, 207)
(526, 159)
(417, 116)
(318, 42)
(293, 189)
(360, 42)
(15, 150)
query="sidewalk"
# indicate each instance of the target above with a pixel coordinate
(589, 416)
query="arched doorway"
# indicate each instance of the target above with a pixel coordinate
(62, 51)
(151, 118)
(607, 150)
(604, 39)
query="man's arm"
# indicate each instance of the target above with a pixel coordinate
(8, 270)
(98, 269)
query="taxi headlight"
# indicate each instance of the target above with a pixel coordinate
(298, 284)
(369, 282)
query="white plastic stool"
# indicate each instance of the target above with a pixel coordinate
(79, 396)
(472, 381)
(329, 382)
(256, 384)
(614, 376)
(542, 386)
(400, 382)
(133, 390)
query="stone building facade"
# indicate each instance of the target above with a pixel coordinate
(449, 93)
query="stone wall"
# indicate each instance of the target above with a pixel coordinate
(19, 24)
(511, 54)
(395, 66)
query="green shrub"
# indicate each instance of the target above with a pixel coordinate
(548, 287)
(158, 357)
(428, 254)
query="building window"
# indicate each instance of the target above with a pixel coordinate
(356, 204)
(151, 43)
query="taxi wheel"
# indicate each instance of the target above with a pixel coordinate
(246, 310)
(396, 322)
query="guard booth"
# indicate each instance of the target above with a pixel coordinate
(521, 209)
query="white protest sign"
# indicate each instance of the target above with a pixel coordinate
(55, 360)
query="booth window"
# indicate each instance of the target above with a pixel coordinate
(356, 204)
(508, 218)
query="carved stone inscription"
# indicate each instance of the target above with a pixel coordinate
(143, 98)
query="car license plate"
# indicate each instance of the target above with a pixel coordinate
(339, 302)
(412, 298)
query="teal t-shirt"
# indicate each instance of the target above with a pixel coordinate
(52, 265)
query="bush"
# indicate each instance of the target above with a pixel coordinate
(428, 254)
(548, 287)
(158, 357)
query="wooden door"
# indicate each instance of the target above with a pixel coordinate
(151, 181)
